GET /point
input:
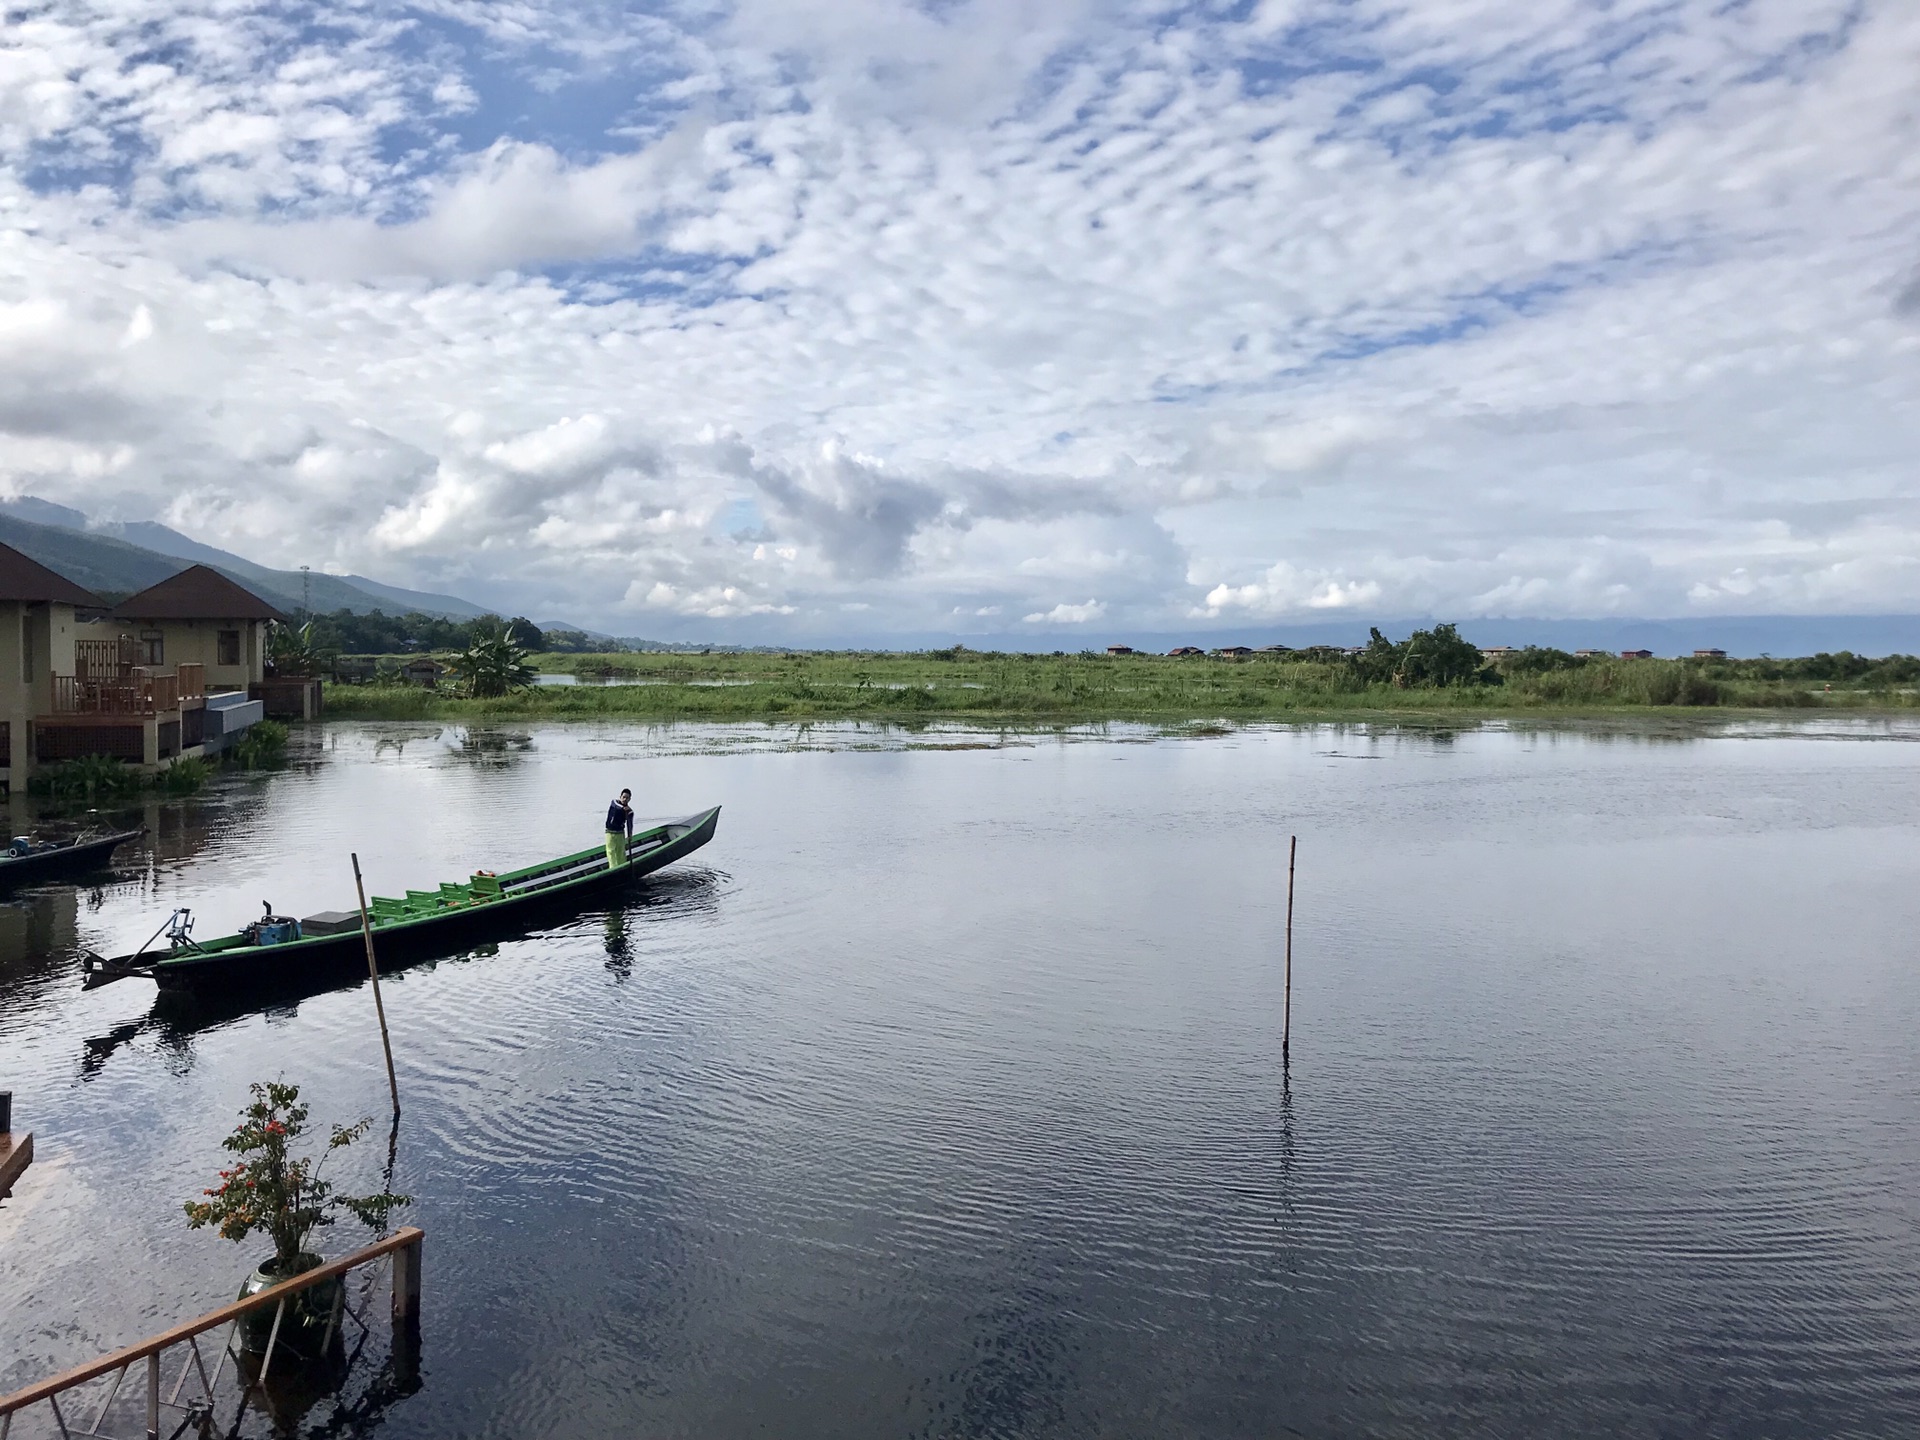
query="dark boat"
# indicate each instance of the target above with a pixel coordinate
(278, 951)
(26, 862)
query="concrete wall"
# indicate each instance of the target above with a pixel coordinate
(36, 643)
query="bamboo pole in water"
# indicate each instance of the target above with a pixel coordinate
(373, 973)
(1286, 1010)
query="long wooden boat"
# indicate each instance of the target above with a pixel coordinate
(278, 951)
(61, 859)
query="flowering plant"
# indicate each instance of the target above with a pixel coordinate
(273, 1191)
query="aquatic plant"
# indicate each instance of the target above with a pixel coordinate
(262, 744)
(91, 777)
(279, 1194)
(183, 776)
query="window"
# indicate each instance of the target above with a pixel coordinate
(153, 648)
(227, 647)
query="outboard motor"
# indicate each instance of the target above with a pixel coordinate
(180, 929)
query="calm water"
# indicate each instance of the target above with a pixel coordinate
(942, 1095)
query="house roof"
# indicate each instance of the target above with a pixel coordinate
(29, 580)
(198, 592)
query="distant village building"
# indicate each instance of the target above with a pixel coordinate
(1495, 653)
(1591, 654)
(1709, 654)
(1636, 654)
(423, 670)
(1120, 650)
(1234, 652)
(1274, 650)
(1186, 650)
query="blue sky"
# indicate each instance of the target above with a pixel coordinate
(777, 319)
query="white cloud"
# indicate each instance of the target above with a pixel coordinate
(950, 313)
(1065, 614)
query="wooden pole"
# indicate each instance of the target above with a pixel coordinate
(373, 973)
(1286, 1011)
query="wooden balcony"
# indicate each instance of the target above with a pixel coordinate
(140, 694)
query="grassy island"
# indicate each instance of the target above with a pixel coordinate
(962, 684)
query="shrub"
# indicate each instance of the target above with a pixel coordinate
(282, 1195)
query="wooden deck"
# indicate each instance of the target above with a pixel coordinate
(16, 1153)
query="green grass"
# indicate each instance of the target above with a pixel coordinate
(969, 685)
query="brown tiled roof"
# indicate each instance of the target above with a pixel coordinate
(24, 579)
(198, 592)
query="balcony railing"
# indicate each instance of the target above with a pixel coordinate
(138, 694)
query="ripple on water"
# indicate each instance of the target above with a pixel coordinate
(943, 1095)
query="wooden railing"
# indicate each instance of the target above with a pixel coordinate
(403, 1245)
(191, 681)
(140, 694)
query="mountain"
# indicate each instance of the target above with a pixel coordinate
(119, 559)
(150, 535)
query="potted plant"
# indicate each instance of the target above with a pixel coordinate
(284, 1196)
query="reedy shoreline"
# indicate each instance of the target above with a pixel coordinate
(1048, 689)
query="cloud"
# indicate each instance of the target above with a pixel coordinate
(747, 319)
(1065, 614)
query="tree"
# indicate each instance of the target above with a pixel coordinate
(291, 651)
(1425, 659)
(492, 666)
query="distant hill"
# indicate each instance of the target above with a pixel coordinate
(118, 559)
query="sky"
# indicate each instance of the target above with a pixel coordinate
(786, 319)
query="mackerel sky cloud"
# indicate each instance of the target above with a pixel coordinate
(851, 319)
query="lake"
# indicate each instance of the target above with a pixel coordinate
(942, 1095)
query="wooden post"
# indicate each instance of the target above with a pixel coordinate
(406, 1316)
(1286, 1010)
(153, 1396)
(406, 1284)
(373, 974)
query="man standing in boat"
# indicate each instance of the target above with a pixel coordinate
(619, 829)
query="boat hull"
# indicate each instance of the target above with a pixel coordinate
(64, 863)
(304, 963)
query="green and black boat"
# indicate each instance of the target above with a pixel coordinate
(278, 951)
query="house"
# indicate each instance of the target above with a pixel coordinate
(1636, 654)
(1120, 650)
(1233, 652)
(1274, 650)
(355, 669)
(423, 670)
(1494, 654)
(201, 617)
(1186, 650)
(127, 684)
(1592, 654)
(39, 612)
(1709, 654)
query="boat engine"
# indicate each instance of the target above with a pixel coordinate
(271, 929)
